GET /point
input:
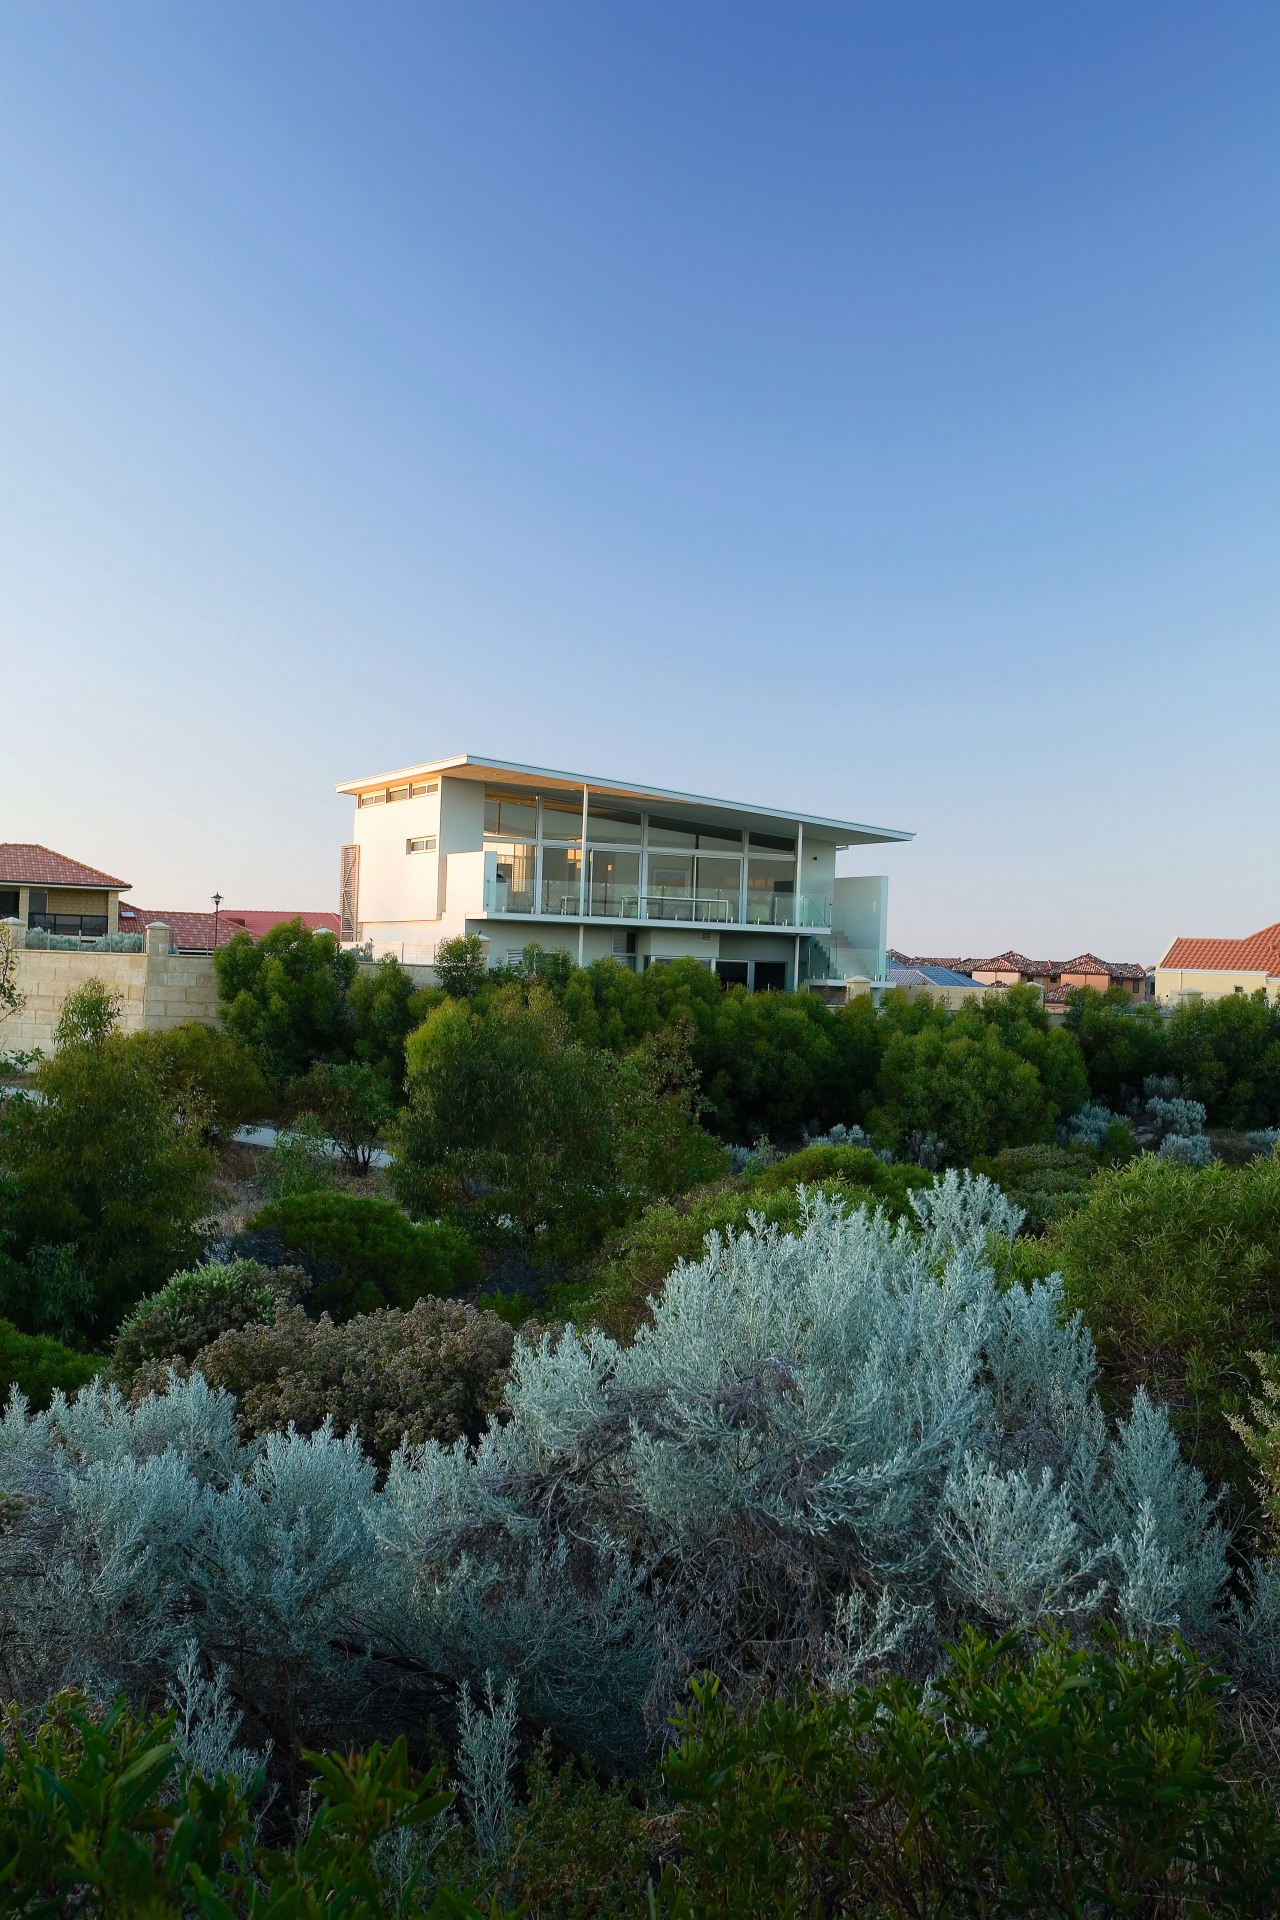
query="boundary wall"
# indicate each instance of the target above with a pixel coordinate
(160, 989)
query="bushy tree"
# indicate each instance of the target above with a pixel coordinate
(1226, 1054)
(193, 1308)
(38, 1366)
(462, 965)
(967, 1089)
(387, 1008)
(1122, 1042)
(109, 1189)
(560, 1140)
(205, 1077)
(288, 997)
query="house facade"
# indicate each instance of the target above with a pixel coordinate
(52, 893)
(598, 867)
(1195, 969)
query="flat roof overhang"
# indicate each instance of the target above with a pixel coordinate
(469, 766)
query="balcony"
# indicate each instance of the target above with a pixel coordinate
(563, 900)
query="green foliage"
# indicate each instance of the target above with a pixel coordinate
(462, 965)
(387, 1008)
(1177, 1272)
(1261, 1436)
(1226, 1054)
(637, 1260)
(288, 997)
(1077, 1782)
(363, 1253)
(194, 1307)
(352, 1103)
(96, 1817)
(965, 1088)
(39, 1366)
(1045, 1182)
(205, 1078)
(876, 1183)
(12, 999)
(106, 1176)
(508, 1113)
(434, 1373)
(89, 1013)
(299, 1162)
(581, 1849)
(1122, 1042)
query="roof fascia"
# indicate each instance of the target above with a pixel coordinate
(476, 767)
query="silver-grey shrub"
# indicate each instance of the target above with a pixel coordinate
(823, 1453)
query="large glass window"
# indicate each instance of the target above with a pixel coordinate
(561, 818)
(671, 833)
(614, 884)
(771, 886)
(612, 826)
(670, 895)
(561, 879)
(514, 878)
(720, 885)
(510, 813)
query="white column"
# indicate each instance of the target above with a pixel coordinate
(582, 880)
(795, 977)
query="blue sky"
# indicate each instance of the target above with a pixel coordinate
(871, 408)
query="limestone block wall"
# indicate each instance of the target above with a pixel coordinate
(160, 989)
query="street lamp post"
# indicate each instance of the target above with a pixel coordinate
(217, 902)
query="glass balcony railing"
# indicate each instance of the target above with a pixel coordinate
(563, 899)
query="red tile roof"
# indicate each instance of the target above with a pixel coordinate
(1014, 962)
(24, 864)
(1258, 953)
(193, 932)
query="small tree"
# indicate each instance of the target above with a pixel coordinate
(88, 1015)
(352, 1104)
(12, 999)
(288, 997)
(462, 965)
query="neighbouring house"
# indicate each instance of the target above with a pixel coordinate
(945, 984)
(194, 932)
(597, 867)
(1210, 969)
(51, 893)
(1055, 978)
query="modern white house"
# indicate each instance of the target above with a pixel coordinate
(596, 867)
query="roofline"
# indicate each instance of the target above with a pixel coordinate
(623, 789)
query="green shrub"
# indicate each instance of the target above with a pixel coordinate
(100, 1814)
(37, 1366)
(434, 1373)
(1075, 1782)
(196, 1306)
(299, 1162)
(1177, 1272)
(1044, 1181)
(89, 1013)
(107, 1179)
(856, 1167)
(363, 1253)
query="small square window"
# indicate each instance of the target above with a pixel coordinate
(423, 843)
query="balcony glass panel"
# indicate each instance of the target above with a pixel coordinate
(614, 885)
(720, 879)
(771, 885)
(561, 880)
(613, 826)
(513, 880)
(561, 819)
(510, 813)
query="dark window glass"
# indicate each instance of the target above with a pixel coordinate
(8, 903)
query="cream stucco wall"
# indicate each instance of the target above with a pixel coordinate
(1173, 983)
(160, 989)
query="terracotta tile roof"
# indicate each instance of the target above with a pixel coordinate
(1057, 996)
(1257, 953)
(193, 932)
(24, 864)
(1013, 962)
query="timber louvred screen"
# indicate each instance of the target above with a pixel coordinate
(350, 907)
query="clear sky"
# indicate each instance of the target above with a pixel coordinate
(869, 408)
